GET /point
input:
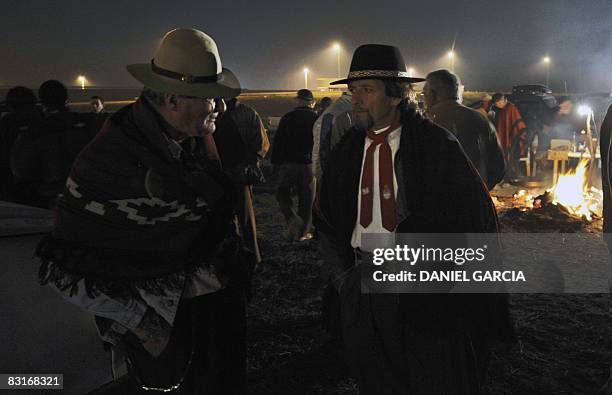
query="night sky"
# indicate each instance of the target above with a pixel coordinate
(268, 43)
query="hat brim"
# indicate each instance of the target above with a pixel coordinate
(406, 79)
(227, 86)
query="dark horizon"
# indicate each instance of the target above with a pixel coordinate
(267, 44)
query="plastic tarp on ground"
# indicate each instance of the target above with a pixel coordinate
(16, 219)
(40, 332)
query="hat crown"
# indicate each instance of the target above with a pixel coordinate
(377, 57)
(188, 52)
(378, 61)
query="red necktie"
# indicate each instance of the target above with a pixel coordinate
(385, 179)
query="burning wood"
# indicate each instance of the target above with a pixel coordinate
(570, 205)
(573, 192)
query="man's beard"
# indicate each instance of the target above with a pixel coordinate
(364, 124)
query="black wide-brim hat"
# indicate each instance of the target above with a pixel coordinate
(376, 61)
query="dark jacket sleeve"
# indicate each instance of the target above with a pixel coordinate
(54, 169)
(605, 137)
(255, 139)
(493, 156)
(278, 145)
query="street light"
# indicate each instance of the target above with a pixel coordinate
(306, 77)
(546, 61)
(336, 47)
(82, 81)
(411, 72)
(451, 58)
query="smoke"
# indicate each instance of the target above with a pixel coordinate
(582, 45)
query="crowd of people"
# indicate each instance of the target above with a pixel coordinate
(155, 231)
(39, 140)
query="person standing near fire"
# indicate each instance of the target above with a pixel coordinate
(511, 131)
(395, 172)
(605, 148)
(474, 131)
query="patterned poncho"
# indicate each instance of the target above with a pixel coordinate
(133, 216)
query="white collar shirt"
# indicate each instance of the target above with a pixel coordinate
(376, 225)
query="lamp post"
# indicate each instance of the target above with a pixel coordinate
(82, 80)
(546, 61)
(337, 49)
(306, 77)
(451, 58)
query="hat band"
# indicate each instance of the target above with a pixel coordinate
(378, 74)
(190, 79)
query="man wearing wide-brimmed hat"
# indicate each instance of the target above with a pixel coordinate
(144, 237)
(395, 172)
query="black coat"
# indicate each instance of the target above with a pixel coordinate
(293, 138)
(439, 191)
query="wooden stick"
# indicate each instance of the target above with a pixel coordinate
(248, 208)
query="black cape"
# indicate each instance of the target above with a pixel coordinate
(443, 194)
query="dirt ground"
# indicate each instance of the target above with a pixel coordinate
(563, 347)
(563, 344)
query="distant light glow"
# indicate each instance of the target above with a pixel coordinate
(450, 54)
(546, 59)
(306, 77)
(82, 80)
(336, 47)
(410, 71)
(584, 110)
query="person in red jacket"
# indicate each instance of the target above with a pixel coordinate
(510, 131)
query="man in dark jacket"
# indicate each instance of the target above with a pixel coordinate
(605, 148)
(243, 142)
(291, 157)
(475, 133)
(23, 118)
(395, 172)
(39, 157)
(144, 235)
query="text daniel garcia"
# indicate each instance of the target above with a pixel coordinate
(451, 275)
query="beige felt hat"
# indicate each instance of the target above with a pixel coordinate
(187, 63)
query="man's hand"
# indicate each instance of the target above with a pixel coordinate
(153, 333)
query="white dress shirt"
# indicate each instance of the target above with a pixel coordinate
(376, 225)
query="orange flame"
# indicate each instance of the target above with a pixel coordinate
(572, 191)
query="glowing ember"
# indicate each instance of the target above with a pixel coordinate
(523, 199)
(572, 192)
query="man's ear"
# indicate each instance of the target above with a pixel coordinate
(172, 102)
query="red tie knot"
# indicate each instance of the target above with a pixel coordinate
(379, 138)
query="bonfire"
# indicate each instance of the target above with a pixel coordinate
(573, 192)
(570, 205)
